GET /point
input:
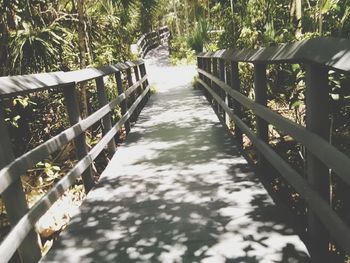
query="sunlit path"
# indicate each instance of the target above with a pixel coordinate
(177, 190)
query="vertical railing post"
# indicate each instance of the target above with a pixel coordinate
(222, 93)
(15, 201)
(260, 84)
(139, 89)
(123, 104)
(229, 99)
(205, 63)
(145, 83)
(72, 104)
(130, 83)
(137, 78)
(236, 85)
(200, 66)
(209, 66)
(213, 86)
(317, 121)
(106, 121)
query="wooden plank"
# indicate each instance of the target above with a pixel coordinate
(106, 121)
(72, 105)
(200, 66)
(15, 201)
(177, 193)
(87, 74)
(11, 172)
(144, 74)
(331, 221)
(222, 93)
(213, 84)
(96, 151)
(331, 52)
(27, 222)
(208, 62)
(260, 86)
(139, 89)
(229, 100)
(123, 105)
(151, 40)
(19, 85)
(236, 85)
(132, 95)
(327, 153)
(318, 175)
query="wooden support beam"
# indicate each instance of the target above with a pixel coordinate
(200, 66)
(123, 105)
(318, 176)
(145, 84)
(209, 69)
(204, 66)
(130, 83)
(260, 86)
(222, 93)
(15, 201)
(139, 90)
(214, 86)
(229, 100)
(106, 121)
(72, 104)
(237, 108)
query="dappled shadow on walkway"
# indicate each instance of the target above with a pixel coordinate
(158, 57)
(178, 190)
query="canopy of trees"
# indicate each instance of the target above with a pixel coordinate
(42, 35)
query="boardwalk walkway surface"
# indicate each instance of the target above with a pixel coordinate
(177, 191)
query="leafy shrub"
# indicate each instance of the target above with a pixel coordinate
(180, 51)
(199, 37)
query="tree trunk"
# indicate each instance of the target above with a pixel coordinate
(186, 17)
(232, 7)
(292, 10)
(209, 12)
(176, 18)
(82, 55)
(320, 17)
(298, 15)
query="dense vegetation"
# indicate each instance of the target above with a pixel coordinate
(43, 35)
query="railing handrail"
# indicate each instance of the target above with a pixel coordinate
(327, 51)
(11, 168)
(152, 39)
(219, 76)
(22, 84)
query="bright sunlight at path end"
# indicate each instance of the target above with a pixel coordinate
(177, 190)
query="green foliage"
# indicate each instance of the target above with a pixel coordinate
(181, 52)
(199, 36)
(50, 170)
(153, 90)
(37, 49)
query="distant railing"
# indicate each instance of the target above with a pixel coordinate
(219, 76)
(134, 93)
(152, 39)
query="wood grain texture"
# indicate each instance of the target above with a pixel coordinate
(331, 52)
(330, 220)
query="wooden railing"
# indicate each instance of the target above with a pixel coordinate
(131, 99)
(152, 39)
(219, 76)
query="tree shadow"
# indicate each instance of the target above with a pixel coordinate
(178, 190)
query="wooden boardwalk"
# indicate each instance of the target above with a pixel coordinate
(177, 190)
